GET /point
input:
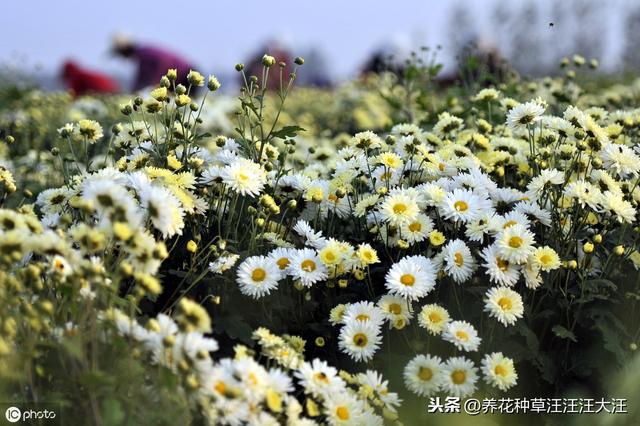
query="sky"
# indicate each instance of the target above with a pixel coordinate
(216, 34)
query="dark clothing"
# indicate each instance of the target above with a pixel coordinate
(153, 63)
(82, 81)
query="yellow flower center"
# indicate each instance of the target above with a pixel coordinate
(342, 413)
(505, 303)
(360, 340)
(253, 379)
(545, 259)
(220, 387)
(283, 262)
(425, 374)
(258, 274)
(408, 280)
(458, 377)
(509, 223)
(395, 308)
(435, 317)
(515, 242)
(333, 197)
(462, 335)
(243, 177)
(461, 206)
(458, 259)
(322, 377)
(399, 208)
(308, 265)
(363, 317)
(415, 227)
(500, 370)
(503, 265)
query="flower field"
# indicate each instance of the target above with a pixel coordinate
(302, 256)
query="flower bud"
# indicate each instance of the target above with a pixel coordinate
(172, 74)
(268, 61)
(195, 78)
(213, 84)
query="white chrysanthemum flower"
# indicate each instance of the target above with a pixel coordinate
(424, 374)
(306, 267)
(362, 311)
(500, 271)
(515, 243)
(61, 266)
(343, 409)
(458, 261)
(534, 212)
(164, 210)
(434, 192)
(360, 340)
(447, 123)
(524, 115)
(112, 203)
(462, 335)
(477, 229)
(399, 209)
(257, 276)
(584, 192)
(245, 177)
(395, 309)
(504, 304)
(371, 379)
(434, 318)
(532, 275)
(412, 277)
(544, 180)
(312, 238)
(545, 258)
(212, 175)
(53, 200)
(464, 205)
(459, 377)
(223, 263)
(282, 256)
(498, 371)
(319, 379)
(417, 230)
(514, 217)
(486, 95)
(620, 159)
(622, 209)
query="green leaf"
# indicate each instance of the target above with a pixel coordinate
(203, 135)
(235, 327)
(287, 132)
(112, 413)
(563, 333)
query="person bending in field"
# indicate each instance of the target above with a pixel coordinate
(152, 61)
(81, 81)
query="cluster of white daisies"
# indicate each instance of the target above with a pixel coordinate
(239, 390)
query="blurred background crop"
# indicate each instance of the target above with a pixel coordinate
(339, 39)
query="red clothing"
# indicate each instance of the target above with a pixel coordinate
(82, 81)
